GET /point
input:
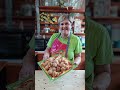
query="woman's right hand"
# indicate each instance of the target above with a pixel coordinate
(46, 56)
(46, 53)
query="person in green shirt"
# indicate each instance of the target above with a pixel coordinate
(98, 56)
(64, 43)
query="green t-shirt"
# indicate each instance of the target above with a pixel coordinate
(98, 49)
(75, 46)
(32, 42)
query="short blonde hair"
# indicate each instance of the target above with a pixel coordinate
(63, 17)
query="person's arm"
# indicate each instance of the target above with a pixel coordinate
(49, 44)
(102, 61)
(77, 51)
(77, 59)
(102, 77)
(46, 53)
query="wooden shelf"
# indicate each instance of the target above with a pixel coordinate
(107, 19)
(49, 23)
(50, 27)
(77, 17)
(57, 9)
(83, 23)
(79, 34)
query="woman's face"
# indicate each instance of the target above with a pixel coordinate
(65, 27)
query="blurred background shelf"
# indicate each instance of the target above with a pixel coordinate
(116, 49)
(57, 9)
(79, 34)
(112, 20)
(55, 23)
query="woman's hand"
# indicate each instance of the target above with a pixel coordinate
(77, 59)
(46, 53)
(46, 56)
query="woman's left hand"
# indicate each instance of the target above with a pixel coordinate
(77, 59)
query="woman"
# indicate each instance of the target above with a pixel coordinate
(64, 42)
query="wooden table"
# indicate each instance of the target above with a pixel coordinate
(73, 80)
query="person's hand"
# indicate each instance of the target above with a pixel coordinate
(74, 66)
(26, 70)
(102, 81)
(46, 56)
(97, 85)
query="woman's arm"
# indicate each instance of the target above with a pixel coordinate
(77, 59)
(102, 77)
(46, 53)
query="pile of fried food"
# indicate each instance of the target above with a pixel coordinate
(56, 66)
